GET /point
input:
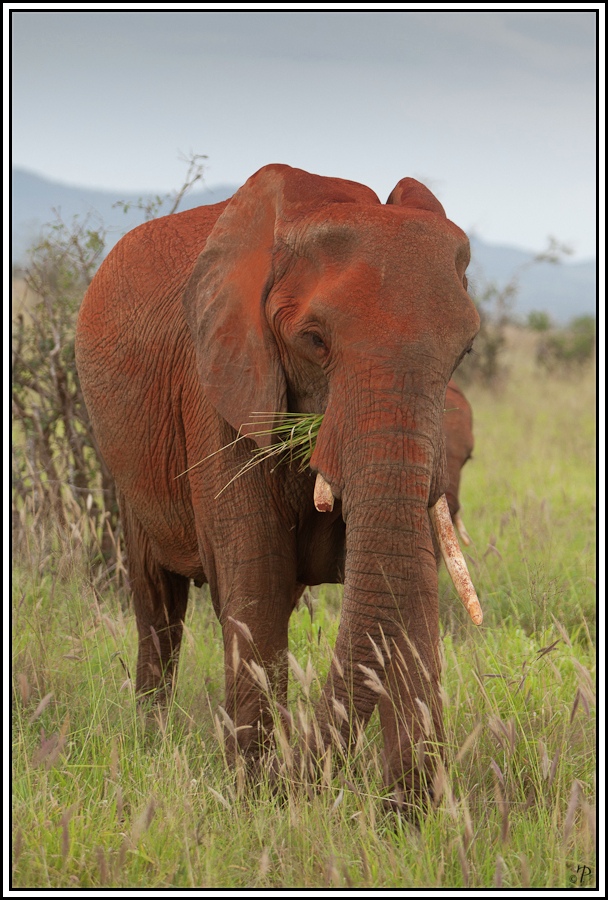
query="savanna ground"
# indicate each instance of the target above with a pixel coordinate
(101, 800)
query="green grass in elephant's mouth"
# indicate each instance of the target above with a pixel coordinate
(296, 438)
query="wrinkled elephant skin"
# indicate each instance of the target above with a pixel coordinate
(305, 294)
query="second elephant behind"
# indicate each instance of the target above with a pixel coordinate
(459, 444)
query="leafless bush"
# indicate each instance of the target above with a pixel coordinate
(57, 468)
(59, 476)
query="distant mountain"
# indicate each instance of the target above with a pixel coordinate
(564, 290)
(34, 200)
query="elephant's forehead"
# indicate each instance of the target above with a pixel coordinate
(341, 232)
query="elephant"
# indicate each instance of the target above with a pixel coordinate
(303, 294)
(459, 444)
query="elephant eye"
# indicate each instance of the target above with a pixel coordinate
(316, 340)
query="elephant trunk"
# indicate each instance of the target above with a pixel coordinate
(390, 603)
(389, 470)
(443, 527)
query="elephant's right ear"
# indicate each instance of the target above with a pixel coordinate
(237, 358)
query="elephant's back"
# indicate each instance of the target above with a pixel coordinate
(131, 319)
(136, 362)
(144, 273)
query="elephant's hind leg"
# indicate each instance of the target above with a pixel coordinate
(160, 599)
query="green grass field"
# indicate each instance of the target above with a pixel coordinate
(100, 799)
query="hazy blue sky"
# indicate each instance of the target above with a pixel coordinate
(495, 111)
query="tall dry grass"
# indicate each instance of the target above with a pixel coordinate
(104, 797)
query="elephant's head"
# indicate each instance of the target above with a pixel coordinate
(313, 296)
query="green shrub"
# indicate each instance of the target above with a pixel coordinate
(538, 321)
(570, 348)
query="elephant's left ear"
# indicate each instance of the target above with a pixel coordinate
(414, 194)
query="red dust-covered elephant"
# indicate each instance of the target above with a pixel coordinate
(303, 294)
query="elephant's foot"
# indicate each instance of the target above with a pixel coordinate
(154, 693)
(409, 782)
(411, 803)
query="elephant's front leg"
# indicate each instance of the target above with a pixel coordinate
(255, 623)
(411, 715)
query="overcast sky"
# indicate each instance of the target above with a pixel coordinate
(495, 111)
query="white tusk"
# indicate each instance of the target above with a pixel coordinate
(464, 534)
(324, 499)
(454, 560)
